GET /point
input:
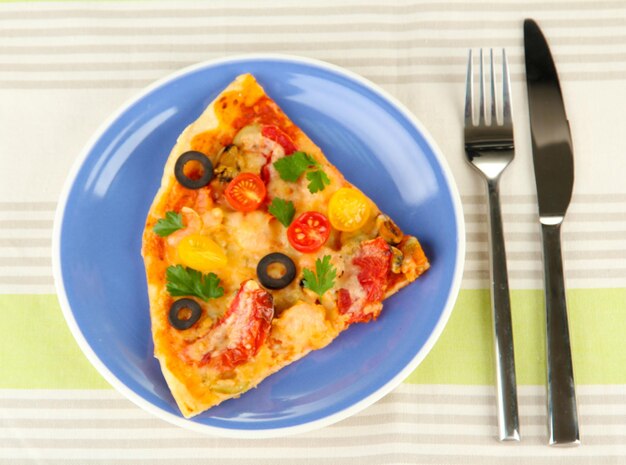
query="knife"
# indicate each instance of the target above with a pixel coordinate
(553, 161)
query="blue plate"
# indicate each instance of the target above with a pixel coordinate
(370, 137)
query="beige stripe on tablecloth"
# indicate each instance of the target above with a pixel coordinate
(329, 9)
(411, 421)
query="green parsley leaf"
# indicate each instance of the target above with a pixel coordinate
(187, 281)
(324, 277)
(283, 210)
(291, 167)
(171, 223)
(318, 180)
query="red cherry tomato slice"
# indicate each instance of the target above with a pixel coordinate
(278, 136)
(308, 232)
(246, 192)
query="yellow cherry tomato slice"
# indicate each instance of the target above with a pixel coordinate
(201, 253)
(348, 209)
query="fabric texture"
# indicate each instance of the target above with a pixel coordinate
(66, 66)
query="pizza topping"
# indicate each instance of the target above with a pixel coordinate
(265, 173)
(201, 253)
(251, 142)
(183, 281)
(193, 170)
(414, 262)
(309, 232)
(282, 210)
(301, 328)
(229, 386)
(324, 277)
(318, 180)
(247, 136)
(171, 223)
(193, 224)
(291, 167)
(278, 136)
(348, 209)
(235, 159)
(388, 230)
(227, 167)
(276, 270)
(397, 257)
(362, 291)
(373, 259)
(240, 332)
(184, 313)
(246, 192)
(344, 300)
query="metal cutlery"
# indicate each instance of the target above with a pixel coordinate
(490, 148)
(554, 175)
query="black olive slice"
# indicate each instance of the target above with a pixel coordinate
(184, 323)
(207, 170)
(276, 283)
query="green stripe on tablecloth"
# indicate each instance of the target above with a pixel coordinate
(37, 349)
(463, 354)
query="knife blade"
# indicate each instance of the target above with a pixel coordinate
(553, 162)
(551, 138)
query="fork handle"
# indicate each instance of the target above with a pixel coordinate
(562, 411)
(508, 419)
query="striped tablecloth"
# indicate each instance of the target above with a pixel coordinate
(64, 67)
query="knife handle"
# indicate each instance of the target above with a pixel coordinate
(562, 410)
(506, 387)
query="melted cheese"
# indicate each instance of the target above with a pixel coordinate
(301, 328)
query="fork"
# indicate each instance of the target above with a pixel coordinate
(490, 148)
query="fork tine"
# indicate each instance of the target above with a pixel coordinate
(482, 109)
(469, 93)
(506, 92)
(494, 102)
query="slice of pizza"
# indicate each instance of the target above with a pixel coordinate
(257, 251)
